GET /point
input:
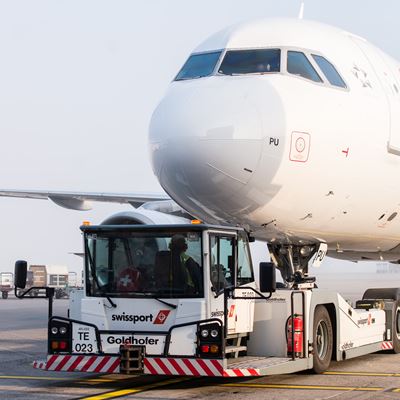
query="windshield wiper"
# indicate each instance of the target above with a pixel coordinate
(94, 276)
(165, 302)
(145, 294)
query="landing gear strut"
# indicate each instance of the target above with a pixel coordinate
(292, 261)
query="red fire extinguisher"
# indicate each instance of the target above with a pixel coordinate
(298, 335)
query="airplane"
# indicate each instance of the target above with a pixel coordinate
(286, 127)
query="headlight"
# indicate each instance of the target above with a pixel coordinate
(63, 330)
(204, 333)
(54, 330)
(214, 333)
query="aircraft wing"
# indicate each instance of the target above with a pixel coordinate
(81, 200)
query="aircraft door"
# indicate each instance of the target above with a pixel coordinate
(391, 87)
(392, 76)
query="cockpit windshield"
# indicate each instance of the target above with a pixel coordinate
(298, 64)
(198, 66)
(259, 61)
(144, 264)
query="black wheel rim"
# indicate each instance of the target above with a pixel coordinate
(322, 339)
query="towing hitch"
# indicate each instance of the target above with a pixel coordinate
(131, 359)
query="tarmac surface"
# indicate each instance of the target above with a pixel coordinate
(23, 339)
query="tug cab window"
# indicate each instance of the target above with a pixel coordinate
(245, 271)
(260, 61)
(298, 64)
(198, 66)
(222, 262)
(329, 71)
(230, 262)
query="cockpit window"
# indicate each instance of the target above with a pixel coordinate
(259, 61)
(329, 71)
(298, 64)
(198, 66)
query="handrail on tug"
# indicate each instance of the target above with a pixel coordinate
(160, 333)
(303, 310)
(49, 295)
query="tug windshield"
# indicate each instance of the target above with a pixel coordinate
(144, 264)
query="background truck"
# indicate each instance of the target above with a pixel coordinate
(6, 283)
(183, 299)
(53, 276)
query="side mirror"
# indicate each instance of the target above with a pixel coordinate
(267, 277)
(20, 273)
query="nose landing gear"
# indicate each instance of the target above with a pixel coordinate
(292, 261)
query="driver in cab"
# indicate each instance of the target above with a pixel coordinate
(184, 272)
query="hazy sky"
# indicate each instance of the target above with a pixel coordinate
(79, 81)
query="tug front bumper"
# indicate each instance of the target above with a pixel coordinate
(80, 363)
(110, 364)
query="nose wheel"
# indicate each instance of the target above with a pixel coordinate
(292, 261)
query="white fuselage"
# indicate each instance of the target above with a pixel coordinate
(289, 158)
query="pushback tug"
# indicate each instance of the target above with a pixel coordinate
(183, 299)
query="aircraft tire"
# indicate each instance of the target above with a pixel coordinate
(323, 340)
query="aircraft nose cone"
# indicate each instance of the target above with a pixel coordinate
(207, 139)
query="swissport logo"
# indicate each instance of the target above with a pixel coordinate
(161, 317)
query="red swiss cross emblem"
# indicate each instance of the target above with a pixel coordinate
(161, 317)
(232, 311)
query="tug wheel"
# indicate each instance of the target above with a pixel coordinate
(396, 327)
(322, 340)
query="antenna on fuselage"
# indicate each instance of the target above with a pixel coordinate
(301, 12)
